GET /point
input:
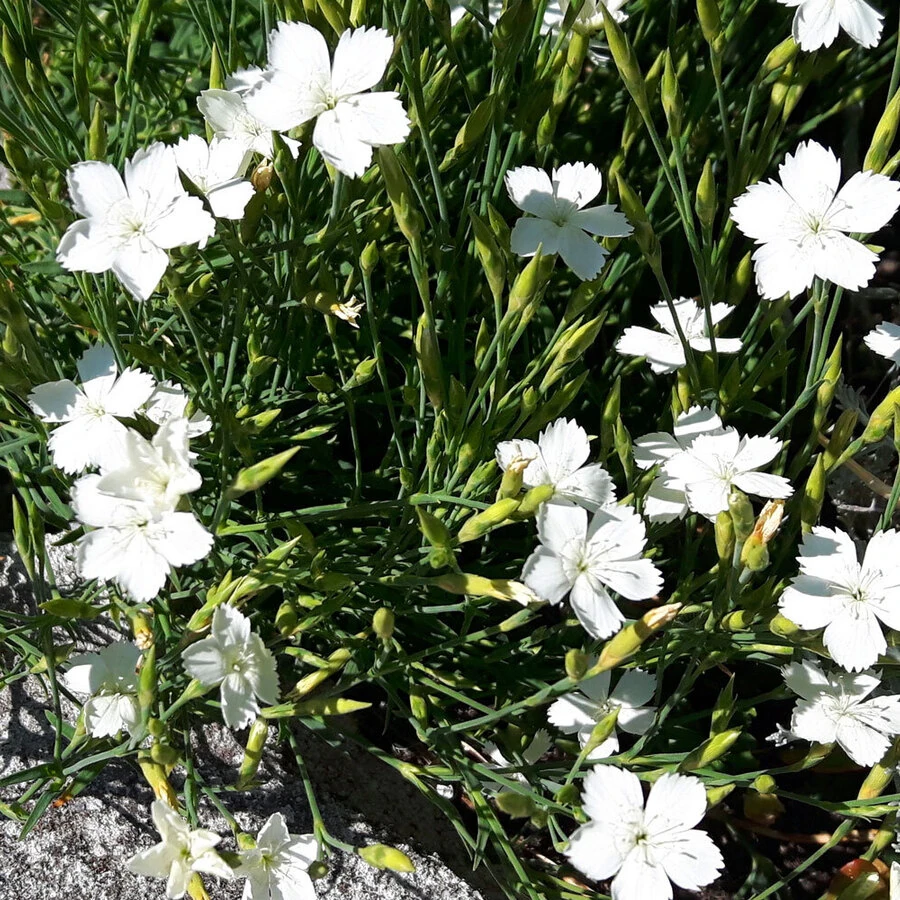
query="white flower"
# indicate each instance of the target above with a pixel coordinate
(139, 536)
(579, 711)
(664, 351)
(227, 115)
(559, 458)
(803, 223)
(234, 657)
(181, 852)
(92, 430)
(302, 84)
(129, 225)
(833, 591)
(885, 341)
(895, 881)
(217, 169)
(713, 464)
(110, 679)
(644, 847)
(276, 869)
(559, 221)
(665, 501)
(536, 748)
(833, 708)
(583, 559)
(155, 473)
(169, 401)
(817, 22)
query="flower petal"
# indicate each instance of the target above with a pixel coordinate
(594, 608)
(584, 256)
(676, 803)
(844, 261)
(577, 182)
(528, 234)
(360, 60)
(337, 139)
(593, 850)
(603, 221)
(610, 794)
(811, 176)
(140, 267)
(85, 248)
(94, 187)
(532, 191)
(543, 573)
(572, 712)
(239, 706)
(663, 352)
(565, 447)
(863, 24)
(692, 860)
(866, 203)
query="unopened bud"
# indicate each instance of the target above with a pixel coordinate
(256, 741)
(672, 101)
(626, 61)
(286, 619)
(629, 640)
(643, 231)
(477, 586)
(883, 139)
(515, 805)
(705, 203)
(261, 177)
(576, 664)
(602, 730)
(434, 530)
(725, 537)
(381, 856)
(530, 504)
(481, 523)
(710, 750)
(841, 435)
(741, 510)
(882, 418)
(383, 623)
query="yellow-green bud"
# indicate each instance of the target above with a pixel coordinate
(601, 731)
(428, 355)
(256, 740)
(516, 806)
(286, 618)
(255, 476)
(383, 623)
(477, 586)
(381, 856)
(526, 289)
(628, 641)
(715, 795)
(643, 231)
(531, 502)
(764, 808)
(782, 626)
(511, 483)
(469, 135)
(611, 413)
(883, 139)
(725, 537)
(705, 203)
(479, 525)
(882, 418)
(317, 870)
(779, 57)
(409, 219)
(626, 62)
(710, 20)
(710, 750)
(434, 530)
(741, 510)
(576, 664)
(825, 393)
(368, 259)
(492, 258)
(672, 101)
(568, 795)
(97, 134)
(840, 437)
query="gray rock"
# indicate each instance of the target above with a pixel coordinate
(78, 851)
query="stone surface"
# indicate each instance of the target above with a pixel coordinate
(78, 851)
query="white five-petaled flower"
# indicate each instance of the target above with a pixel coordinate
(129, 225)
(181, 852)
(848, 599)
(227, 115)
(559, 220)
(817, 22)
(803, 224)
(559, 458)
(664, 351)
(277, 868)
(885, 341)
(110, 680)
(138, 534)
(713, 464)
(169, 401)
(234, 657)
(584, 558)
(217, 171)
(91, 431)
(644, 846)
(578, 712)
(302, 84)
(833, 708)
(665, 501)
(536, 748)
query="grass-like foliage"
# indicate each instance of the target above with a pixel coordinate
(368, 510)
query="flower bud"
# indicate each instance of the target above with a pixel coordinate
(779, 57)
(469, 135)
(511, 483)
(481, 523)
(531, 502)
(883, 139)
(643, 231)
(256, 740)
(882, 418)
(601, 731)
(725, 537)
(576, 664)
(515, 805)
(409, 219)
(611, 414)
(741, 510)
(763, 808)
(825, 393)
(380, 856)
(710, 750)
(428, 355)
(492, 258)
(626, 62)
(368, 259)
(434, 530)
(840, 436)
(570, 349)
(715, 795)
(705, 203)
(286, 619)
(710, 20)
(477, 586)
(254, 477)
(383, 623)
(672, 101)
(628, 641)
(525, 293)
